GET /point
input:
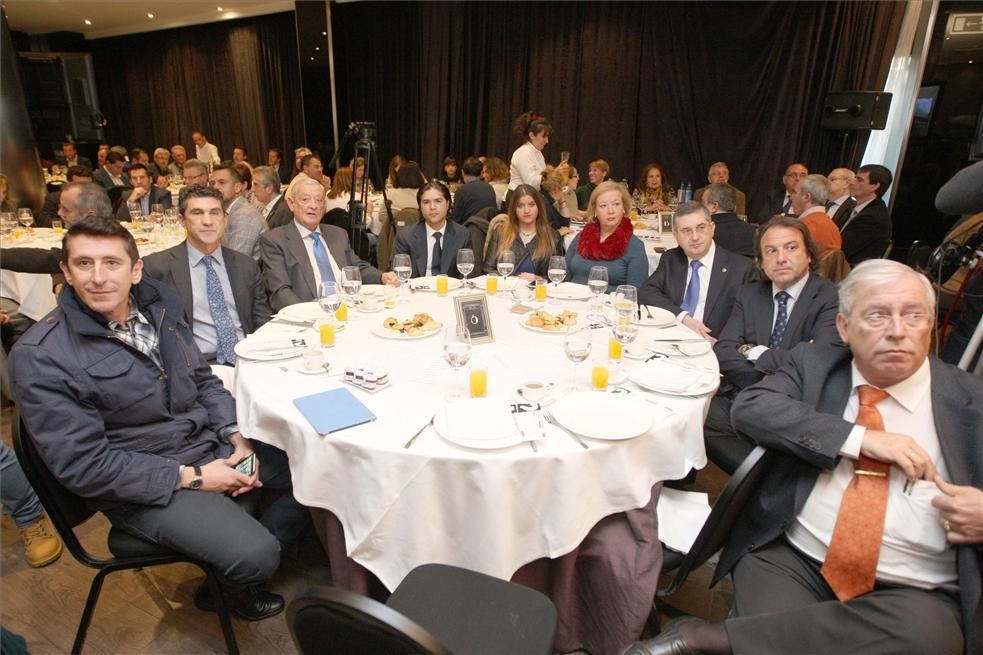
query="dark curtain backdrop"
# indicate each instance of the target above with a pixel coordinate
(683, 83)
(236, 81)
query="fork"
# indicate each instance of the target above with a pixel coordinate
(419, 432)
(648, 310)
(552, 421)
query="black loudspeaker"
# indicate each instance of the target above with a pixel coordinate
(61, 96)
(856, 110)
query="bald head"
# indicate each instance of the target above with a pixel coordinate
(839, 182)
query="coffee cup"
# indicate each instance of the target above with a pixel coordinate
(313, 360)
(370, 303)
(535, 391)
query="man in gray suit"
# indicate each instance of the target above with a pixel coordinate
(185, 269)
(300, 256)
(245, 221)
(792, 305)
(865, 534)
(144, 194)
(432, 244)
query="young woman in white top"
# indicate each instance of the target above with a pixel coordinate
(527, 160)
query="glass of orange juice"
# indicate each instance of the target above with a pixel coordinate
(442, 285)
(479, 380)
(599, 376)
(491, 284)
(327, 334)
(614, 349)
(540, 289)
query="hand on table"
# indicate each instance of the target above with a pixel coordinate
(390, 278)
(699, 328)
(962, 512)
(899, 450)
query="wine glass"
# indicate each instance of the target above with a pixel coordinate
(465, 263)
(506, 265)
(457, 352)
(403, 268)
(625, 334)
(556, 272)
(328, 299)
(7, 223)
(625, 302)
(26, 218)
(576, 345)
(597, 282)
(351, 282)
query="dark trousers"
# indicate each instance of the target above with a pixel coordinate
(218, 530)
(783, 605)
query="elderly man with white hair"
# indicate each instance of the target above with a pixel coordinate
(300, 256)
(840, 203)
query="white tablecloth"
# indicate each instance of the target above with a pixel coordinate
(492, 511)
(34, 291)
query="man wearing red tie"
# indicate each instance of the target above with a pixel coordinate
(865, 535)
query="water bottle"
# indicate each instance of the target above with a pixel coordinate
(687, 192)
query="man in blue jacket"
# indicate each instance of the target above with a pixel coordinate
(126, 413)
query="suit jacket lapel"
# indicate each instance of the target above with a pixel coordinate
(718, 280)
(801, 307)
(419, 253)
(677, 278)
(240, 290)
(180, 271)
(295, 244)
(764, 314)
(956, 423)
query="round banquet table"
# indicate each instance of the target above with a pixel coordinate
(578, 524)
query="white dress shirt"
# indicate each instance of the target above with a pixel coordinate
(208, 153)
(309, 245)
(430, 242)
(269, 206)
(914, 549)
(837, 203)
(203, 325)
(704, 274)
(793, 292)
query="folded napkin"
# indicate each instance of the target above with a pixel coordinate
(480, 419)
(681, 517)
(670, 375)
(268, 345)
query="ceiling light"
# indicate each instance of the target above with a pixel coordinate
(312, 58)
(88, 22)
(220, 8)
(150, 15)
(319, 47)
(324, 33)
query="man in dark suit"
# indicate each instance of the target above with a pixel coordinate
(865, 534)
(474, 195)
(303, 254)
(274, 159)
(719, 173)
(49, 212)
(731, 232)
(791, 305)
(432, 244)
(867, 232)
(702, 304)
(266, 189)
(840, 202)
(779, 201)
(183, 267)
(70, 157)
(111, 174)
(144, 194)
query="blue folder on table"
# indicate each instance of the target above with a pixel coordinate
(334, 410)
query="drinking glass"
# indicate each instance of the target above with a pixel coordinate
(576, 345)
(506, 266)
(403, 268)
(457, 352)
(597, 282)
(465, 263)
(328, 299)
(135, 213)
(26, 218)
(351, 282)
(7, 223)
(625, 302)
(556, 272)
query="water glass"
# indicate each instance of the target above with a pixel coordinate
(506, 266)
(403, 268)
(625, 302)
(597, 282)
(328, 298)
(351, 282)
(577, 347)
(465, 263)
(25, 217)
(556, 272)
(457, 351)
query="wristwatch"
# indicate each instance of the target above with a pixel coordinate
(746, 349)
(195, 483)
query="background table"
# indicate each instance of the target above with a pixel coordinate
(491, 511)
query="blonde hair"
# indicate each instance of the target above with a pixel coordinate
(604, 187)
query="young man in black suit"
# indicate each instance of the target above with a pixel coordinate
(433, 243)
(867, 232)
(702, 304)
(474, 195)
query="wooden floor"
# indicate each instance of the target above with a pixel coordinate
(151, 611)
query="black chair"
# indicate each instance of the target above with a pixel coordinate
(116, 196)
(67, 510)
(716, 530)
(436, 610)
(728, 451)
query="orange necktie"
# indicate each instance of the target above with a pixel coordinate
(851, 560)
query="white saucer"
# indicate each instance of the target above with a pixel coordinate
(545, 400)
(324, 369)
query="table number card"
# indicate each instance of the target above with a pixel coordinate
(665, 219)
(472, 313)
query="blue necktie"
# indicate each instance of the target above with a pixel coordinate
(321, 257)
(787, 207)
(781, 321)
(224, 328)
(692, 296)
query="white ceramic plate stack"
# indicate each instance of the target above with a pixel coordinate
(606, 416)
(689, 347)
(305, 312)
(481, 423)
(675, 378)
(270, 349)
(568, 291)
(654, 317)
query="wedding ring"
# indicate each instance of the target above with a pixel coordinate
(946, 525)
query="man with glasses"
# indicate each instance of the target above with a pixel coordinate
(719, 173)
(867, 231)
(865, 534)
(840, 202)
(697, 280)
(195, 172)
(779, 201)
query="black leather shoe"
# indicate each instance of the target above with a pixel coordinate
(669, 641)
(252, 604)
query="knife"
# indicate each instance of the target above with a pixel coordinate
(532, 444)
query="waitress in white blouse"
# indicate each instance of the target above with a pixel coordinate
(527, 160)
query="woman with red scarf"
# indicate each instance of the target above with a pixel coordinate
(608, 240)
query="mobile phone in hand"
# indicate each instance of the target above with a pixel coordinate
(248, 465)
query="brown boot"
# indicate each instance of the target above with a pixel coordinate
(41, 543)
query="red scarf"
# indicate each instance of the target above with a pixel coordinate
(590, 245)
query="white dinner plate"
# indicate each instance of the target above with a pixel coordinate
(680, 348)
(660, 317)
(674, 378)
(385, 333)
(568, 291)
(524, 318)
(429, 283)
(268, 349)
(510, 284)
(304, 312)
(603, 415)
(511, 437)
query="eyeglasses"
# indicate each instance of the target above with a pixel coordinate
(911, 319)
(699, 229)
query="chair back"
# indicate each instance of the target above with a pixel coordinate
(65, 509)
(833, 266)
(333, 620)
(475, 613)
(402, 219)
(715, 532)
(487, 213)
(887, 251)
(478, 229)
(493, 225)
